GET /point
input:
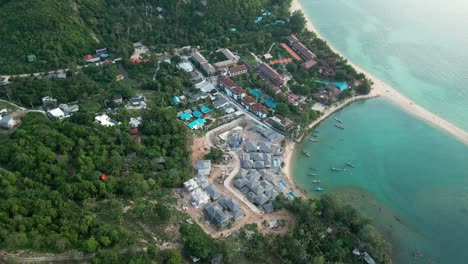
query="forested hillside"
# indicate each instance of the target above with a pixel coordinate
(51, 30)
(61, 33)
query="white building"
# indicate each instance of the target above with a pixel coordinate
(185, 65)
(135, 121)
(205, 86)
(57, 113)
(7, 121)
(190, 185)
(69, 108)
(105, 120)
(199, 197)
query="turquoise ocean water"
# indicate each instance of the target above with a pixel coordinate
(411, 178)
(418, 46)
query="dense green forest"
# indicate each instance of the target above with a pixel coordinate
(61, 33)
(56, 169)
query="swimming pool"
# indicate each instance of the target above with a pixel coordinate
(282, 184)
(275, 163)
(256, 93)
(291, 195)
(270, 103)
(341, 85)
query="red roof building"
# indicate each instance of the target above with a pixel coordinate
(291, 52)
(293, 96)
(308, 64)
(247, 101)
(259, 110)
(226, 82)
(238, 93)
(302, 50)
(237, 70)
(138, 60)
(133, 131)
(292, 39)
(104, 177)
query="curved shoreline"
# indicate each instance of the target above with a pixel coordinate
(291, 145)
(380, 88)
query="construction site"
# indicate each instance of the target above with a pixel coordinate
(240, 189)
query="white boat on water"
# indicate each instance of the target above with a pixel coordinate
(368, 259)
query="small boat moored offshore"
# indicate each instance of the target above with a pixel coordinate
(312, 174)
(338, 126)
(313, 140)
(336, 169)
(313, 168)
(318, 189)
(338, 120)
(306, 153)
(350, 165)
(316, 181)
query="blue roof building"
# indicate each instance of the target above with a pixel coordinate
(205, 109)
(175, 99)
(185, 116)
(197, 123)
(197, 113)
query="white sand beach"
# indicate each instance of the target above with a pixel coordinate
(380, 88)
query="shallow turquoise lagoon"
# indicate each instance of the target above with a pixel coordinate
(410, 178)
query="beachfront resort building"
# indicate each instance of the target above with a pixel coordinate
(308, 56)
(302, 50)
(281, 121)
(268, 72)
